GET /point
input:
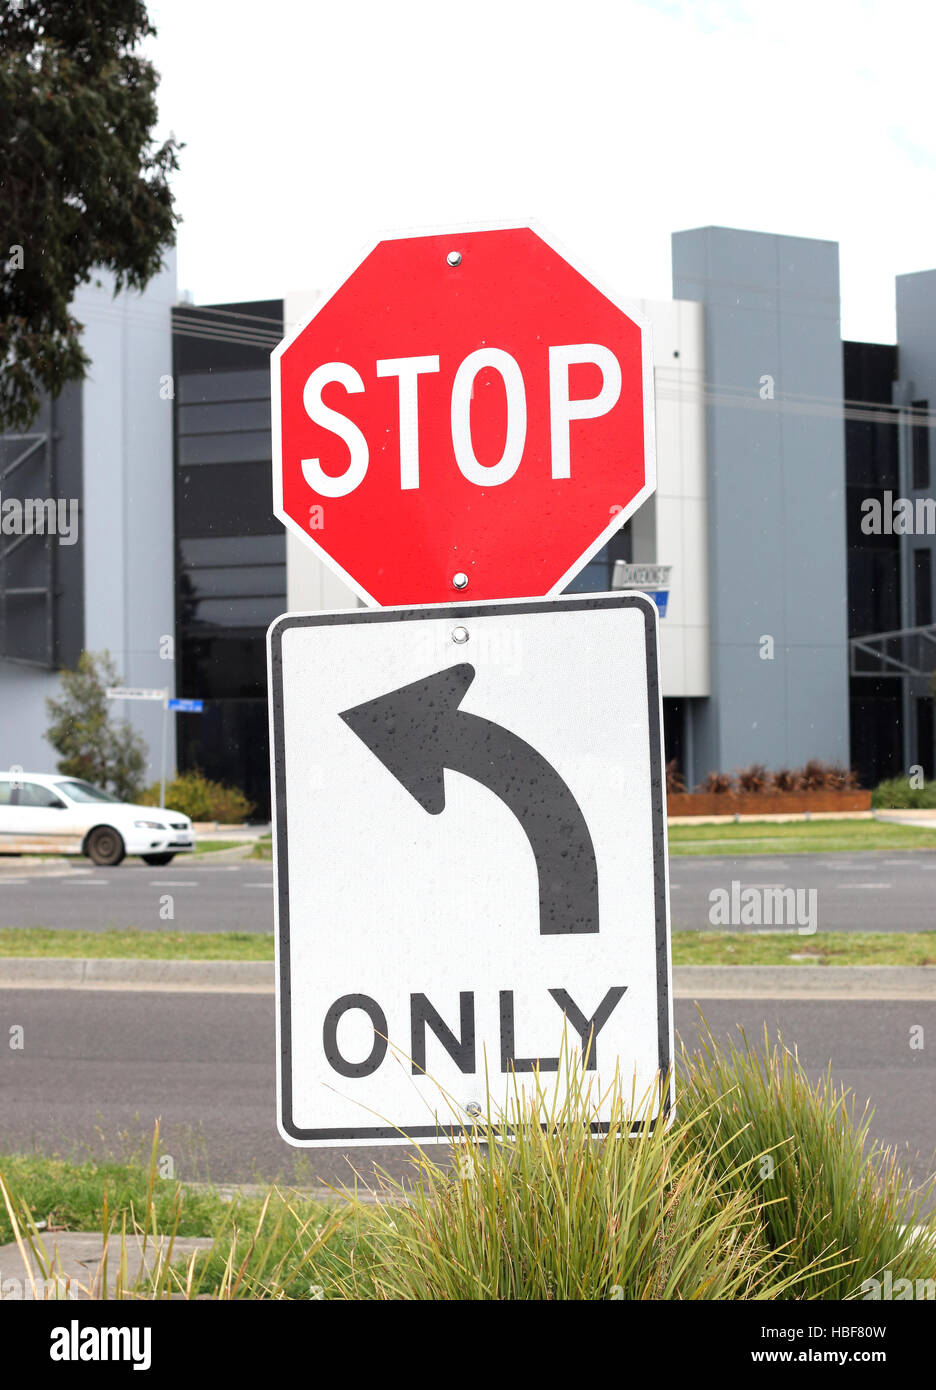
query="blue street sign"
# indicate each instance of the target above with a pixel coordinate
(187, 706)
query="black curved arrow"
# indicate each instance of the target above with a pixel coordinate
(418, 731)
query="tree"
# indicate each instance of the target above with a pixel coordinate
(81, 184)
(112, 756)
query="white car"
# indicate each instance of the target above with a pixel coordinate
(45, 814)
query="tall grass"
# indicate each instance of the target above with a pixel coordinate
(537, 1206)
(765, 1186)
(821, 1181)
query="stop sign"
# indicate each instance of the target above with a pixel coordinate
(466, 413)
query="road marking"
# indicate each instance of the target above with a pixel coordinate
(93, 882)
(173, 883)
(258, 885)
(864, 885)
(15, 879)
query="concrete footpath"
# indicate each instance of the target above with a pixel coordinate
(690, 981)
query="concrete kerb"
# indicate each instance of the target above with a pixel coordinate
(689, 981)
(206, 976)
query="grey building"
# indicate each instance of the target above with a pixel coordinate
(794, 630)
(776, 470)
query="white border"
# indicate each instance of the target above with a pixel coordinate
(626, 308)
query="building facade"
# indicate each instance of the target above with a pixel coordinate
(794, 630)
(101, 455)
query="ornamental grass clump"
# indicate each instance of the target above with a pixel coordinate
(538, 1206)
(821, 1182)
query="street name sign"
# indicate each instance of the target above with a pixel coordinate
(467, 413)
(470, 859)
(132, 692)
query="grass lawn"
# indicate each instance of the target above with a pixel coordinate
(797, 837)
(263, 849)
(825, 948)
(136, 945)
(212, 846)
(689, 947)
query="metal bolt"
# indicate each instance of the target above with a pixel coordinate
(460, 580)
(460, 634)
(473, 1107)
(454, 258)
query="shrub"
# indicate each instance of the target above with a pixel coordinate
(719, 784)
(785, 780)
(819, 776)
(764, 1186)
(106, 752)
(821, 1182)
(755, 778)
(674, 782)
(897, 794)
(193, 794)
(536, 1207)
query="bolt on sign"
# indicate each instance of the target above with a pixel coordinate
(467, 413)
(471, 861)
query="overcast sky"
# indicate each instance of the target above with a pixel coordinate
(312, 125)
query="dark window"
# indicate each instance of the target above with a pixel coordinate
(876, 723)
(873, 590)
(200, 551)
(220, 417)
(231, 742)
(925, 734)
(922, 587)
(230, 549)
(228, 499)
(218, 667)
(919, 448)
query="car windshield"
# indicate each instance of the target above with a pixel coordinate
(83, 791)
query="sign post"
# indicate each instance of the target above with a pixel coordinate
(469, 828)
(126, 692)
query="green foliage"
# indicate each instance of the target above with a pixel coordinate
(74, 1195)
(896, 794)
(537, 1206)
(822, 1184)
(765, 1186)
(81, 185)
(195, 795)
(107, 753)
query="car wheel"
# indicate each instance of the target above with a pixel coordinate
(105, 846)
(157, 860)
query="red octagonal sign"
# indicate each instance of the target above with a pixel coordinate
(467, 413)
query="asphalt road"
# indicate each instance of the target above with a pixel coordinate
(216, 896)
(97, 1065)
(878, 891)
(884, 890)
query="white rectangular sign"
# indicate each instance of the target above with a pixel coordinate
(470, 850)
(131, 692)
